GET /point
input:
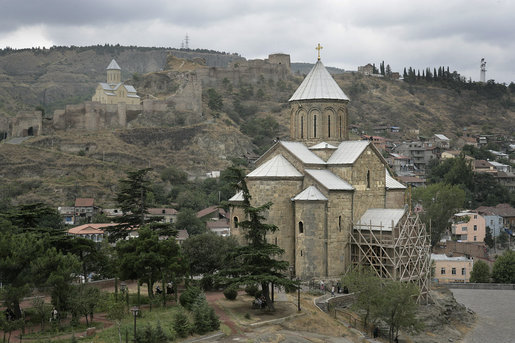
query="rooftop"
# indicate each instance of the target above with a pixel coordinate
(329, 180)
(278, 166)
(380, 219)
(310, 194)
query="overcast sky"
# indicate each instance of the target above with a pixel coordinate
(425, 33)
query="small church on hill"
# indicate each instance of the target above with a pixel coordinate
(335, 202)
(114, 91)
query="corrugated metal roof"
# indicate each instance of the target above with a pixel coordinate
(310, 194)
(106, 86)
(322, 145)
(348, 152)
(113, 65)
(329, 180)
(441, 137)
(302, 153)
(275, 167)
(391, 183)
(319, 84)
(380, 217)
(237, 197)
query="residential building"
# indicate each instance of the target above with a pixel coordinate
(400, 164)
(68, 214)
(420, 153)
(468, 226)
(413, 181)
(220, 227)
(492, 220)
(503, 210)
(483, 166)
(85, 209)
(441, 141)
(378, 141)
(451, 269)
(167, 215)
(366, 69)
(95, 232)
(212, 213)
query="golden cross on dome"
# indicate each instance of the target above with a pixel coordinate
(319, 47)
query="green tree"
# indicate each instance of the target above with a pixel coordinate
(132, 199)
(368, 288)
(439, 202)
(204, 317)
(489, 241)
(258, 261)
(117, 311)
(399, 307)
(504, 268)
(149, 259)
(214, 100)
(187, 220)
(480, 272)
(206, 252)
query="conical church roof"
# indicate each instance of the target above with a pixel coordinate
(319, 84)
(113, 65)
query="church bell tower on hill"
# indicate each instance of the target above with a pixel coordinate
(319, 108)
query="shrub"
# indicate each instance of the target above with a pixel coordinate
(189, 296)
(182, 325)
(204, 317)
(251, 290)
(151, 335)
(231, 292)
(207, 283)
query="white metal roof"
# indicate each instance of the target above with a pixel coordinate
(300, 151)
(348, 152)
(106, 86)
(237, 197)
(310, 194)
(378, 217)
(441, 137)
(130, 88)
(275, 167)
(329, 180)
(322, 145)
(391, 183)
(443, 257)
(319, 84)
(113, 65)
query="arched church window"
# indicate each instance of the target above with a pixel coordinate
(301, 127)
(340, 223)
(275, 241)
(368, 179)
(340, 127)
(329, 126)
(315, 126)
(301, 227)
(235, 220)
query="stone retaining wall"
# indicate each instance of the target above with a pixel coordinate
(495, 286)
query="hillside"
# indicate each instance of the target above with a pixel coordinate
(239, 114)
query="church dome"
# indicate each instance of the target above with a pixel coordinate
(319, 85)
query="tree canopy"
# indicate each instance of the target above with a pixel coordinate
(504, 268)
(480, 272)
(257, 262)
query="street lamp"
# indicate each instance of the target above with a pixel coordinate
(298, 295)
(135, 312)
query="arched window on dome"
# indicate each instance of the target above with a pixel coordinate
(315, 126)
(302, 127)
(329, 126)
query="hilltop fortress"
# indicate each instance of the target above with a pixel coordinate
(175, 91)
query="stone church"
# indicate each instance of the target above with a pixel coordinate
(322, 185)
(114, 91)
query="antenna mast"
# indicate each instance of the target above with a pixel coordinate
(482, 75)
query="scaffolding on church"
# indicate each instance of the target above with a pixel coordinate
(401, 253)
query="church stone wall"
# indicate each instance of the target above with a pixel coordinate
(311, 244)
(279, 192)
(395, 198)
(339, 218)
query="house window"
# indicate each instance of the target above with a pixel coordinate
(163, 211)
(368, 179)
(442, 271)
(463, 271)
(453, 271)
(475, 238)
(314, 126)
(235, 220)
(475, 227)
(329, 126)
(475, 217)
(463, 228)
(301, 227)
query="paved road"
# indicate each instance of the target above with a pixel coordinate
(496, 314)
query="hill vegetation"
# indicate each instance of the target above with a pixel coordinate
(238, 119)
